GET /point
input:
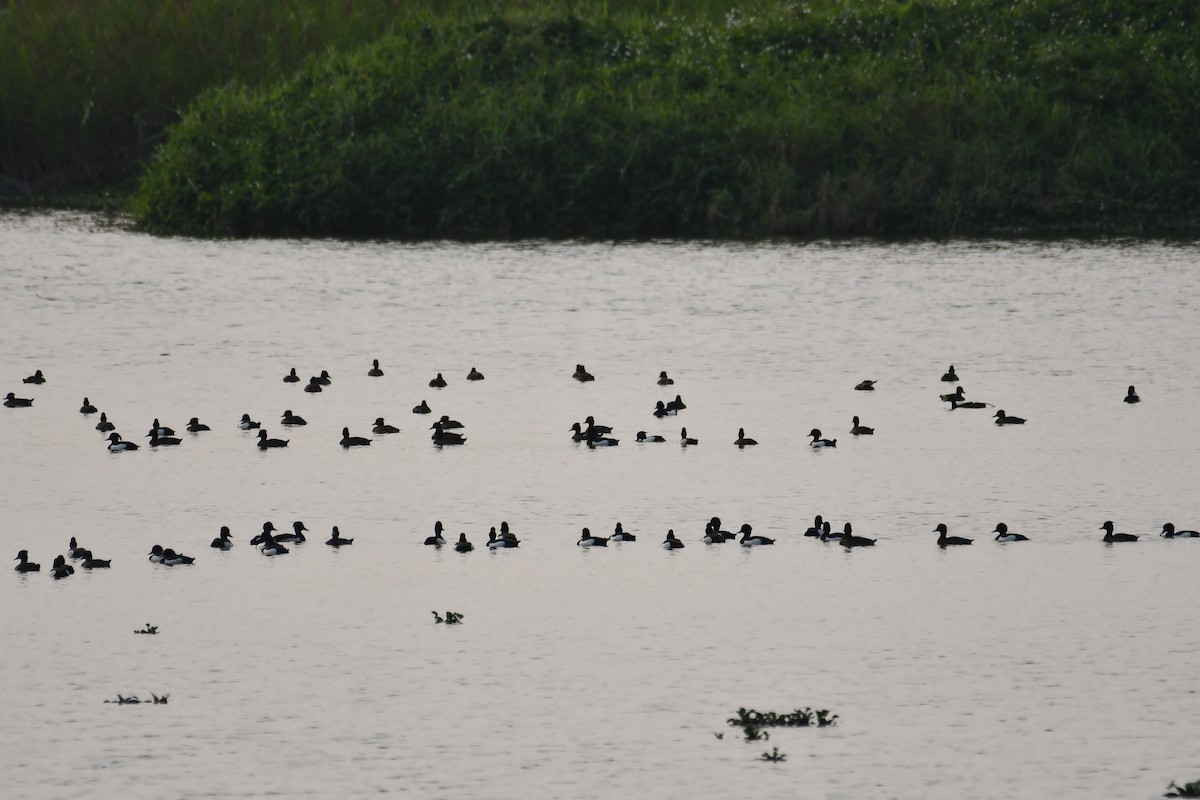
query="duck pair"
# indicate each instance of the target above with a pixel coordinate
(168, 557)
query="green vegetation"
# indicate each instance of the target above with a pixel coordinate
(636, 118)
(800, 718)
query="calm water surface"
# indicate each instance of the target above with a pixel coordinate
(1059, 667)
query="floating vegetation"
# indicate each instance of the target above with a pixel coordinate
(755, 734)
(1187, 790)
(132, 700)
(749, 718)
(774, 756)
(149, 629)
(452, 617)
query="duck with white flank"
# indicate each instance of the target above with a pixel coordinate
(291, 377)
(25, 564)
(661, 410)
(586, 539)
(619, 535)
(421, 408)
(349, 441)
(750, 540)
(117, 445)
(712, 536)
(267, 529)
(499, 542)
(438, 383)
(336, 540)
(265, 443)
(865, 386)
(1004, 419)
(671, 543)
(860, 430)
(685, 440)
(383, 427)
(297, 534)
(663, 380)
(437, 539)
(462, 545)
(158, 429)
(1110, 537)
(474, 375)
(715, 524)
(222, 542)
(815, 530)
(61, 568)
(1131, 396)
(248, 424)
(742, 440)
(12, 401)
(87, 407)
(104, 426)
(1002, 534)
(375, 371)
(442, 437)
(948, 541)
(956, 396)
(828, 534)
(156, 554)
(817, 441)
(643, 437)
(849, 540)
(196, 426)
(582, 375)
(270, 547)
(289, 418)
(73, 549)
(1169, 532)
(173, 559)
(951, 376)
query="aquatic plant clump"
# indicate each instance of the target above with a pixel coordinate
(748, 718)
(782, 119)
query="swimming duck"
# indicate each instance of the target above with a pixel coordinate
(90, 562)
(1109, 536)
(676, 405)
(603, 441)
(817, 441)
(291, 419)
(815, 530)
(270, 547)
(336, 540)
(950, 376)
(86, 408)
(248, 424)
(323, 379)
(196, 426)
(661, 410)
(586, 539)
(222, 542)
(849, 540)
(860, 430)
(685, 440)
(26, 565)
(116, 444)
(1002, 534)
(595, 430)
(383, 427)
(749, 540)
(642, 437)
(1131, 396)
(671, 543)
(947, 541)
(375, 371)
(1169, 532)
(73, 549)
(712, 536)
(267, 529)
(496, 542)
(313, 386)
(968, 404)
(619, 535)
(12, 401)
(447, 423)
(715, 523)
(437, 539)
(173, 559)
(957, 396)
(158, 429)
(164, 441)
(421, 408)
(156, 554)
(442, 437)
(474, 375)
(462, 545)
(828, 534)
(582, 375)
(349, 441)
(1004, 419)
(297, 534)
(61, 568)
(104, 426)
(36, 378)
(865, 386)
(291, 377)
(264, 442)
(742, 441)
(663, 380)
(438, 383)
(577, 432)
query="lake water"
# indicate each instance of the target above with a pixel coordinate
(1058, 667)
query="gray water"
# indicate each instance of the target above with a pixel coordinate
(1055, 667)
